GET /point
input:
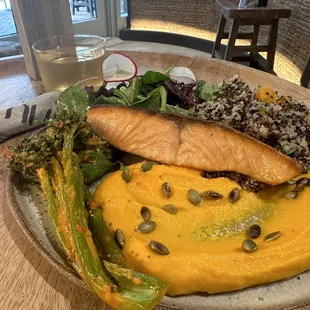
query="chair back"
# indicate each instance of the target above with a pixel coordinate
(305, 78)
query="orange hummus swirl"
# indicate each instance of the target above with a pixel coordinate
(205, 241)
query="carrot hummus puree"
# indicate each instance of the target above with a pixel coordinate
(205, 241)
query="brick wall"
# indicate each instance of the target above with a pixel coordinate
(199, 18)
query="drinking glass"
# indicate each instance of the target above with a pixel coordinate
(69, 60)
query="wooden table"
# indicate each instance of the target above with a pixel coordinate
(256, 17)
(27, 281)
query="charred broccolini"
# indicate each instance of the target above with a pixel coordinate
(60, 159)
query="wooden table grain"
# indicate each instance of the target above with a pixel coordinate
(27, 281)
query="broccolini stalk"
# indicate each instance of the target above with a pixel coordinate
(103, 236)
(122, 297)
(147, 289)
(49, 195)
(52, 206)
(58, 183)
(85, 250)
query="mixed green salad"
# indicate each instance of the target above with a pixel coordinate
(156, 91)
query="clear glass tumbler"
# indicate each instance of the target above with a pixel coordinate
(70, 60)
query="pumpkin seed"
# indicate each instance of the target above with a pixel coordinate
(299, 187)
(254, 231)
(172, 209)
(234, 195)
(166, 189)
(126, 174)
(290, 195)
(147, 166)
(146, 227)
(249, 245)
(211, 195)
(193, 197)
(290, 182)
(145, 213)
(272, 236)
(120, 238)
(158, 247)
(304, 181)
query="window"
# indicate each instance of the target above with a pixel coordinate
(7, 24)
(82, 10)
(124, 8)
(9, 45)
(99, 17)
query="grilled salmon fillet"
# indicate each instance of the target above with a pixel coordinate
(187, 142)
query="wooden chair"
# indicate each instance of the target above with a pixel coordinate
(255, 17)
(89, 4)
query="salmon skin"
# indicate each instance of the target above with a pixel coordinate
(175, 140)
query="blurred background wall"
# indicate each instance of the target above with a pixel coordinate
(199, 18)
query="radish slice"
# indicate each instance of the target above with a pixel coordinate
(118, 67)
(182, 79)
(114, 84)
(182, 75)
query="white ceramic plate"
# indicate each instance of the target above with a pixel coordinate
(29, 209)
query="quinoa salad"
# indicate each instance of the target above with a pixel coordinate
(279, 121)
